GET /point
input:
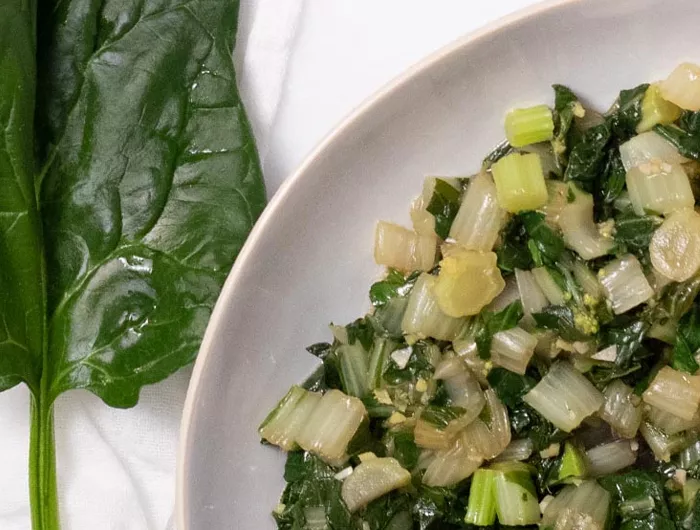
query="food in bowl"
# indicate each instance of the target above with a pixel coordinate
(531, 355)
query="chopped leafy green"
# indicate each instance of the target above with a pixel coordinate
(628, 112)
(498, 152)
(405, 449)
(514, 253)
(509, 386)
(565, 105)
(633, 233)
(361, 330)
(587, 158)
(394, 285)
(687, 142)
(418, 366)
(562, 319)
(491, 323)
(526, 422)
(638, 485)
(628, 337)
(687, 342)
(548, 243)
(610, 185)
(444, 205)
(311, 483)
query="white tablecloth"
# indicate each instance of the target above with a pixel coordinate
(303, 65)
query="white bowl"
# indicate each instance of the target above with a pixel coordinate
(309, 259)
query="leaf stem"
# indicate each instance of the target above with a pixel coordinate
(42, 466)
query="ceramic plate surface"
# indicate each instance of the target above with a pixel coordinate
(309, 259)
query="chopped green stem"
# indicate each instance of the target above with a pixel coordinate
(42, 467)
(482, 498)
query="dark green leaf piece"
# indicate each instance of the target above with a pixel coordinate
(444, 205)
(687, 342)
(491, 323)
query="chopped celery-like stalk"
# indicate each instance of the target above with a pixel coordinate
(331, 425)
(517, 450)
(512, 349)
(622, 409)
(284, 423)
(520, 183)
(402, 249)
(675, 392)
(529, 126)
(659, 187)
(662, 445)
(354, 367)
(531, 295)
(656, 110)
(637, 508)
(468, 281)
(573, 463)
(372, 479)
(690, 456)
(516, 499)
(481, 510)
(647, 147)
(564, 396)
(682, 86)
(625, 284)
(690, 490)
(480, 217)
(668, 422)
(454, 464)
(583, 507)
(549, 287)
(675, 246)
(579, 229)
(423, 316)
(379, 356)
(610, 458)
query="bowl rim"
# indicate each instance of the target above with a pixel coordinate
(182, 509)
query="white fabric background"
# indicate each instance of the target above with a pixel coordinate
(303, 65)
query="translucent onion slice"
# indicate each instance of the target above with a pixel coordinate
(659, 187)
(564, 397)
(549, 287)
(447, 468)
(283, 424)
(517, 450)
(423, 316)
(675, 246)
(610, 458)
(648, 147)
(531, 295)
(462, 387)
(480, 218)
(625, 284)
(512, 349)
(402, 249)
(468, 281)
(330, 427)
(622, 409)
(372, 479)
(682, 86)
(583, 507)
(580, 231)
(670, 423)
(675, 392)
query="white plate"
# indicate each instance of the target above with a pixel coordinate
(309, 259)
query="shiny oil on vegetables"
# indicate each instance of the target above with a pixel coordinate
(531, 358)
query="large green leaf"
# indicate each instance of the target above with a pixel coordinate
(21, 281)
(121, 216)
(151, 186)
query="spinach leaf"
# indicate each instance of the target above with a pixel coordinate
(548, 244)
(526, 422)
(628, 112)
(498, 152)
(565, 105)
(560, 318)
(490, 323)
(686, 141)
(588, 156)
(394, 285)
(444, 205)
(633, 232)
(687, 342)
(21, 278)
(329, 376)
(628, 337)
(405, 449)
(509, 386)
(639, 485)
(441, 416)
(311, 484)
(609, 186)
(514, 253)
(124, 210)
(418, 365)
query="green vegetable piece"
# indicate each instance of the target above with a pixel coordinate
(118, 236)
(520, 182)
(656, 110)
(628, 112)
(444, 205)
(481, 510)
(588, 156)
(687, 342)
(566, 106)
(529, 126)
(573, 463)
(491, 323)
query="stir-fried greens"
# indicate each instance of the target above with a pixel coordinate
(532, 353)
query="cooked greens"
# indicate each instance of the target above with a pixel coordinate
(549, 346)
(124, 207)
